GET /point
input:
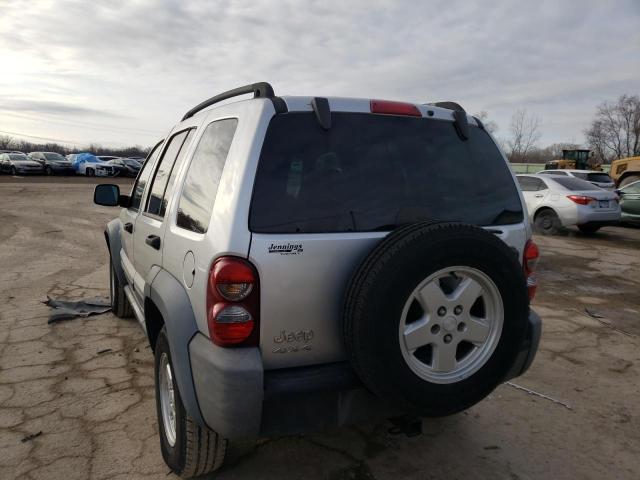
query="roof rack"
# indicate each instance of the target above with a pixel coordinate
(448, 105)
(259, 90)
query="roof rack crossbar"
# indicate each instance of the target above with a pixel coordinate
(259, 90)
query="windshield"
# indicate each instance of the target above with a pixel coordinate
(54, 156)
(374, 172)
(18, 156)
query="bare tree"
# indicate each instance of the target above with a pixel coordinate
(615, 130)
(489, 125)
(525, 134)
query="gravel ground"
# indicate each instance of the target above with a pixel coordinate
(87, 385)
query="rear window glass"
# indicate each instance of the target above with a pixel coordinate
(375, 172)
(599, 177)
(575, 184)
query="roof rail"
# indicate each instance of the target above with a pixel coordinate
(259, 90)
(448, 105)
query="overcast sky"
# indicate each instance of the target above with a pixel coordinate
(123, 72)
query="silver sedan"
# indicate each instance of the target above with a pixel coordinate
(555, 201)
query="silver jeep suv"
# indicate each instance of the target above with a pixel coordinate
(305, 262)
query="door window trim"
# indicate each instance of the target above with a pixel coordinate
(157, 167)
(135, 184)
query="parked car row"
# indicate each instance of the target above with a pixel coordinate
(51, 163)
(588, 200)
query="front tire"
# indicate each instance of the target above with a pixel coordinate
(119, 302)
(547, 222)
(189, 449)
(48, 170)
(89, 172)
(13, 171)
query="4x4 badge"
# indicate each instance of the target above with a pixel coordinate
(293, 341)
(286, 248)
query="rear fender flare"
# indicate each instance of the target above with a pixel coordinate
(171, 299)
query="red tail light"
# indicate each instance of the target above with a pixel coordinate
(581, 199)
(233, 303)
(529, 263)
(394, 108)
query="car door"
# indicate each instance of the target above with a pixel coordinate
(129, 215)
(150, 225)
(630, 199)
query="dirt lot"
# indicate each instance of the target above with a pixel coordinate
(96, 410)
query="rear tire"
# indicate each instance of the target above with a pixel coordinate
(189, 449)
(547, 222)
(628, 179)
(119, 301)
(454, 362)
(89, 172)
(589, 229)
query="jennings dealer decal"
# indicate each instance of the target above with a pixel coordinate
(286, 248)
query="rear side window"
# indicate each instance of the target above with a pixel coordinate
(203, 177)
(143, 178)
(575, 184)
(157, 202)
(375, 172)
(531, 184)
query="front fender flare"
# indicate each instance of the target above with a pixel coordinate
(112, 234)
(171, 299)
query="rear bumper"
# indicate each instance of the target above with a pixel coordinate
(590, 216)
(238, 399)
(529, 347)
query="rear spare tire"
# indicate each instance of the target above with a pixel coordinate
(435, 315)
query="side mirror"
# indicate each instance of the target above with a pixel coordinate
(108, 195)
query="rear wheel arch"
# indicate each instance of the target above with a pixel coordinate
(628, 177)
(542, 209)
(153, 320)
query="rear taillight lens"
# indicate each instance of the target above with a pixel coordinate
(233, 302)
(394, 108)
(529, 263)
(581, 199)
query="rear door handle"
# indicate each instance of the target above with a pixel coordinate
(153, 241)
(539, 195)
(128, 227)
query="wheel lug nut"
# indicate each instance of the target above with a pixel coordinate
(448, 338)
(435, 329)
(442, 311)
(458, 310)
(462, 327)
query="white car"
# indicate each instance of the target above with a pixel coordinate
(555, 201)
(599, 179)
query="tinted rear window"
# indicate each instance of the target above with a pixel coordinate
(375, 172)
(599, 177)
(574, 184)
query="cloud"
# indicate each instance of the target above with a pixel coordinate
(150, 61)
(50, 107)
